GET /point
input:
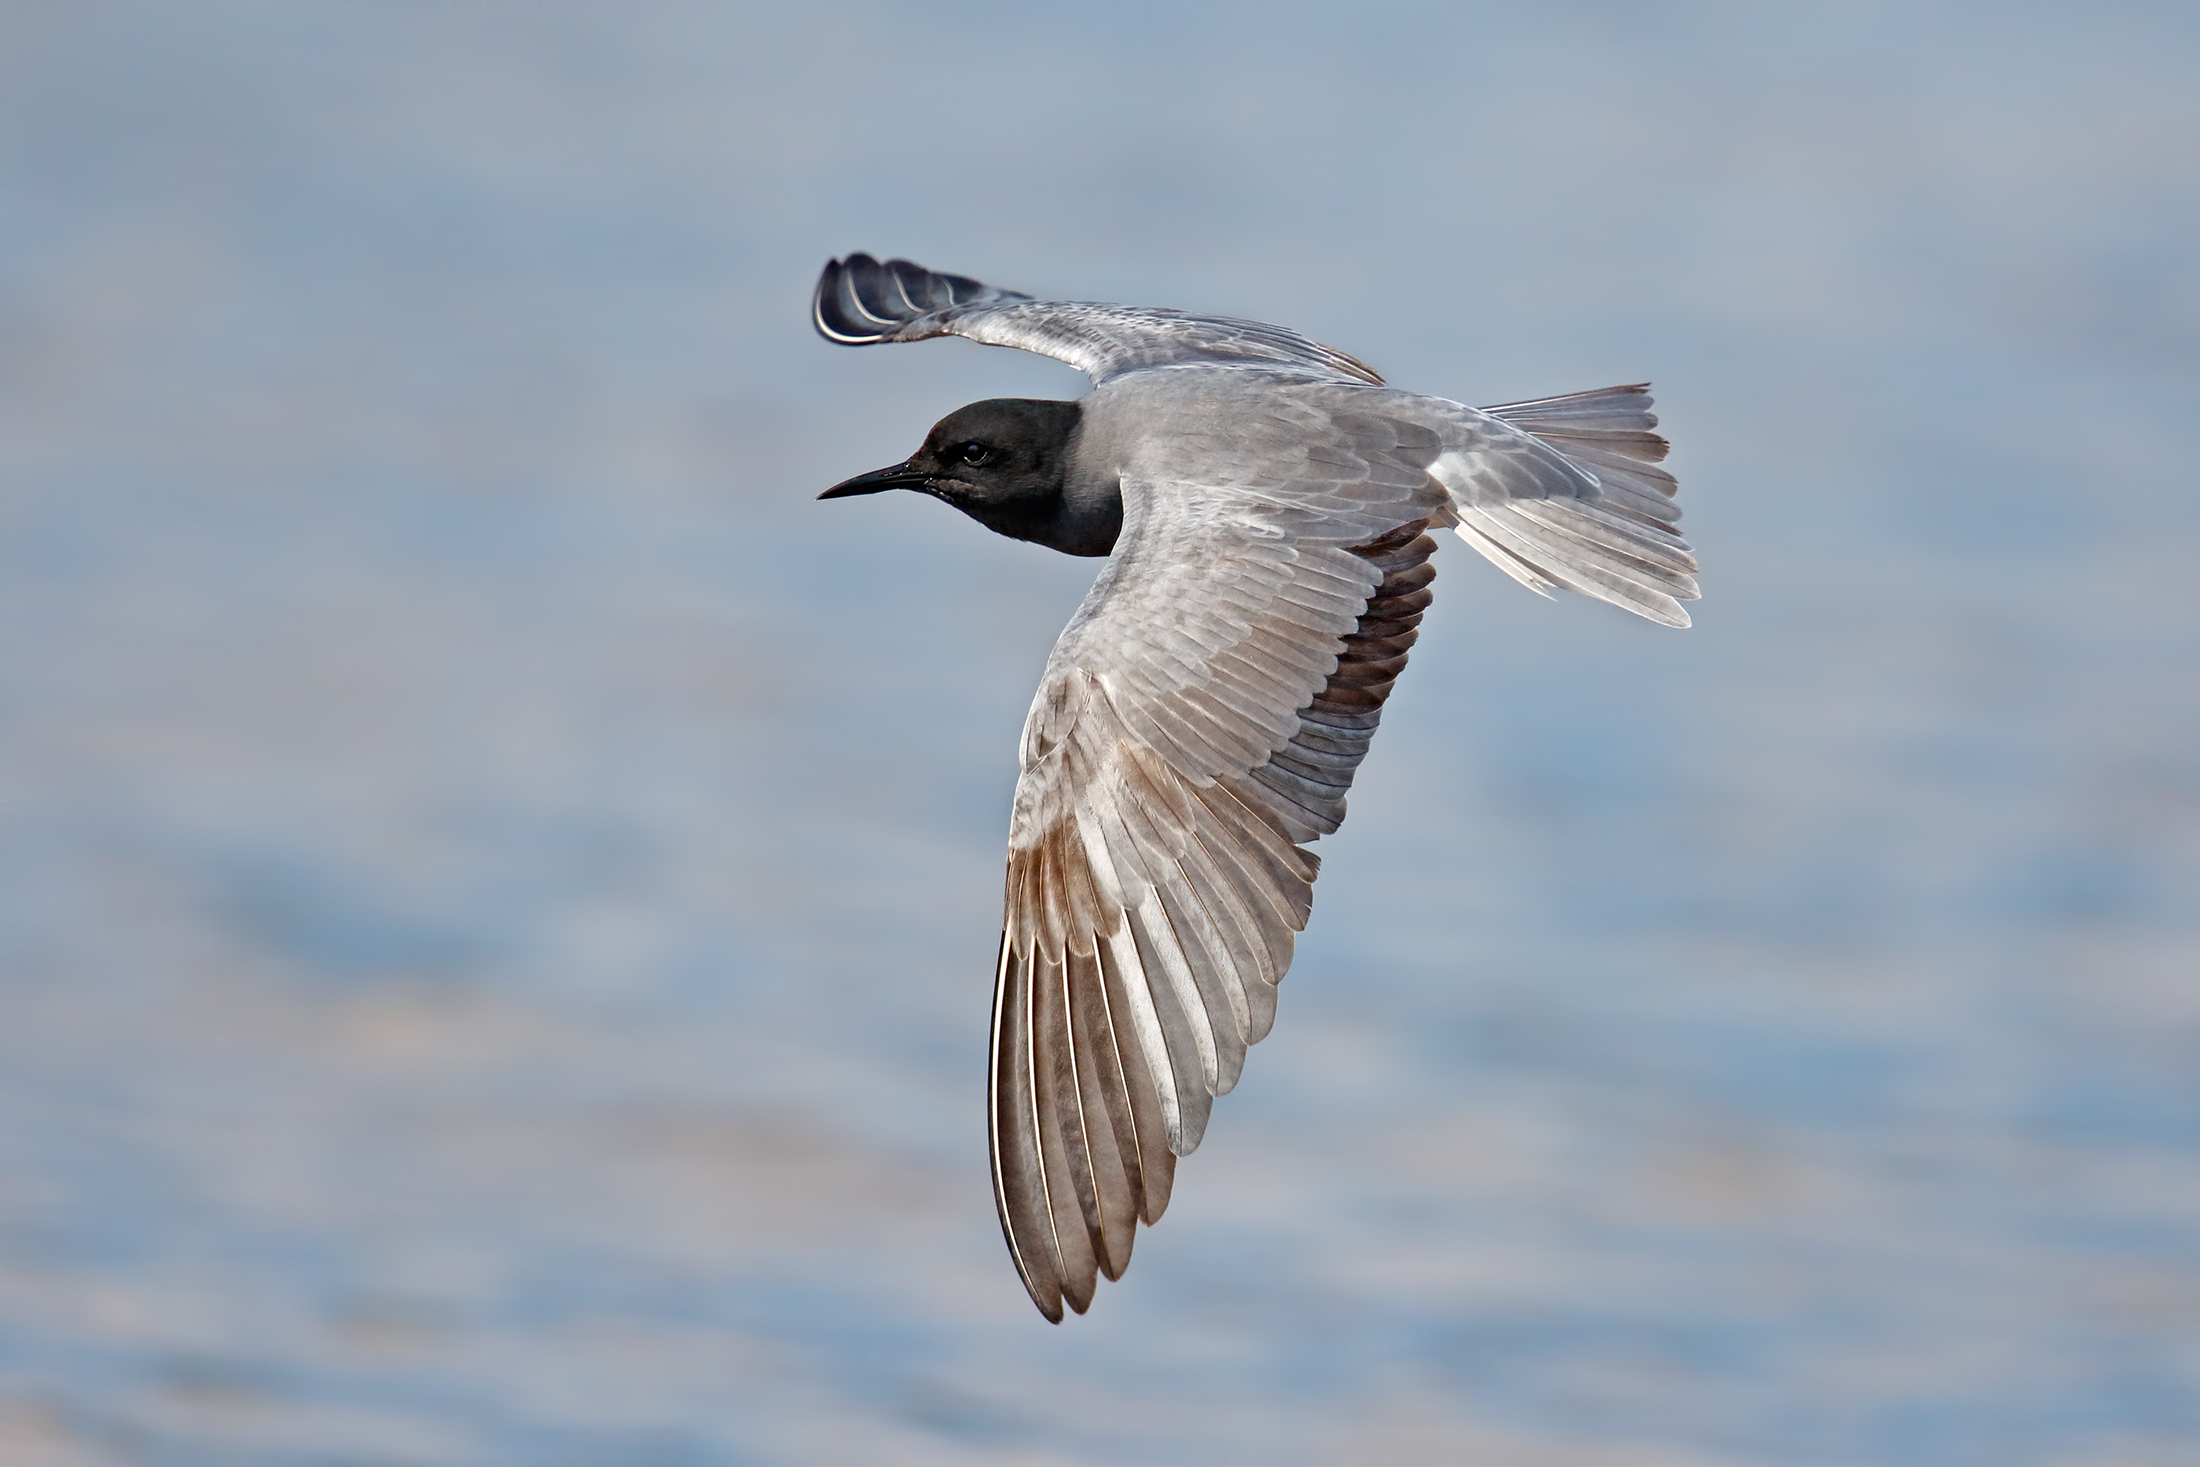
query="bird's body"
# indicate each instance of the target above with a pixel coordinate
(1263, 502)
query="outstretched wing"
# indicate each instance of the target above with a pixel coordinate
(1199, 721)
(860, 302)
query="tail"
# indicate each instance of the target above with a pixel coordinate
(860, 302)
(1608, 433)
(1616, 543)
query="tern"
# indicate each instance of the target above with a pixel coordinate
(1264, 504)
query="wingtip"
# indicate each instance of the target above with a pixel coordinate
(1047, 1302)
(861, 301)
(831, 302)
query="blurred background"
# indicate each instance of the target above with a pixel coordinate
(498, 888)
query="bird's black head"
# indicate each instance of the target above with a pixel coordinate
(1005, 462)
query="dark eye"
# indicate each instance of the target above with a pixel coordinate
(973, 453)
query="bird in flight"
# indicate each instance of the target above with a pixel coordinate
(1263, 502)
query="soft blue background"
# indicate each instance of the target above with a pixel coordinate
(498, 887)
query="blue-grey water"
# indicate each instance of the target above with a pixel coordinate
(498, 887)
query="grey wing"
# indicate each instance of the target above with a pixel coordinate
(860, 301)
(1199, 722)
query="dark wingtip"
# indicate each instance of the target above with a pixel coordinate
(1049, 1303)
(829, 305)
(860, 302)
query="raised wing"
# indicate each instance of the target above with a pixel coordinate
(860, 302)
(1199, 721)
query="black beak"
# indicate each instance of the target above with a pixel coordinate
(900, 476)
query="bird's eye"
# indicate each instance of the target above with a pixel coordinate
(973, 453)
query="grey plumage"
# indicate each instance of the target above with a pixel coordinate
(1202, 716)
